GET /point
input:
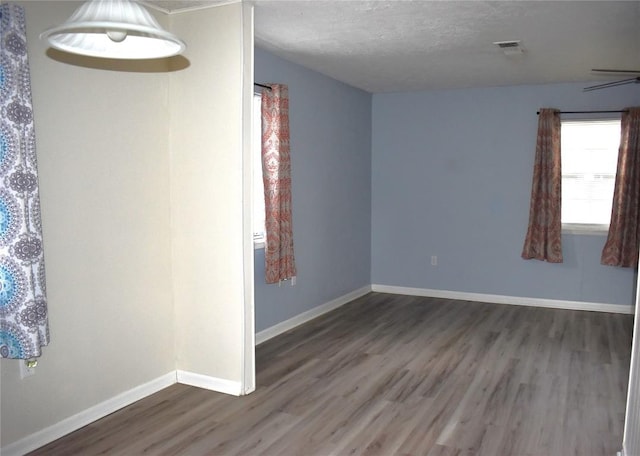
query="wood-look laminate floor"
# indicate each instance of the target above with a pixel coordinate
(401, 375)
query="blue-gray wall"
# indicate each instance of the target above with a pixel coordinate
(451, 176)
(330, 125)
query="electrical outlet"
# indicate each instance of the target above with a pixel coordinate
(434, 260)
(27, 367)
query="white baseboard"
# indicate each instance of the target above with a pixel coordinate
(220, 385)
(304, 317)
(499, 299)
(88, 416)
(75, 422)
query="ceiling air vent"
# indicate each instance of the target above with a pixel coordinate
(512, 47)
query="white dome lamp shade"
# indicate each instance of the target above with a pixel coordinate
(116, 29)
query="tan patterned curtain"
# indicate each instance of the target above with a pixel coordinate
(621, 248)
(544, 235)
(276, 170)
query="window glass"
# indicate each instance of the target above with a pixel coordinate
(589, 161)
(258, 184)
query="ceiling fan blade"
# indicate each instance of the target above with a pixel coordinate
(606, 85)
(603, 70)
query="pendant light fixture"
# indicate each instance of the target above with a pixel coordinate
(116, 29)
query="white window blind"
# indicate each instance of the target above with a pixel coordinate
(589, 162)
(258, 184)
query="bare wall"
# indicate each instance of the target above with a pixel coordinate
(137, 287)
(207, 192)
(330, 125)
(452, 174)
(104, 181)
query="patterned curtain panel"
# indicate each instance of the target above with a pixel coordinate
(23, 307)
(276, 170)
(621, 248)
(544, 235)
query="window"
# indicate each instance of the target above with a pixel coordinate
(589, 161)
(258, 184)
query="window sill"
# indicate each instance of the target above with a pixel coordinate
(258, 243)
(585, 229)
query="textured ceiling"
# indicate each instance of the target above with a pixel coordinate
(176, 6)
(400, 45)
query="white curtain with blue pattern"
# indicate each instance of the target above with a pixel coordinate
(24, 327)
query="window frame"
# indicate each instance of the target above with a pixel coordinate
(589, 229)
(259, 239)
